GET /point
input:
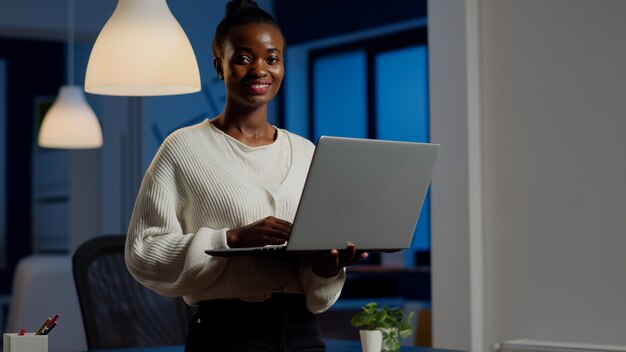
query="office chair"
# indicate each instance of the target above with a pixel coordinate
(117, 311)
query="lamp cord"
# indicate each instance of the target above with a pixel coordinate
(70, 43)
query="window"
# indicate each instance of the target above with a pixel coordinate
(377, 88)
(340, 95)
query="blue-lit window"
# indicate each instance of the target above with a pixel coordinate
(402, 111)
(402, 94)
(375, 89)
(339, 95)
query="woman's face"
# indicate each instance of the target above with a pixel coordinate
(252, 64)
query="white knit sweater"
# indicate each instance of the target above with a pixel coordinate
(190, 196)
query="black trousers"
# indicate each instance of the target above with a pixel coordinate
(280, 324)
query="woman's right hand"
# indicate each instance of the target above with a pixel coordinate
(269, 230)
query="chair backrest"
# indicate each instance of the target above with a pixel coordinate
(117, 311)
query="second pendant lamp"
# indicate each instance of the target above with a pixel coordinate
(70, 123)
(142, 51)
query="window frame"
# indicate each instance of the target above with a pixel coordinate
(372, 47)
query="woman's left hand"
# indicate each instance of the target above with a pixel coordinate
(329, 264)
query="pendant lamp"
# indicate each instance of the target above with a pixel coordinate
(70, 123)
(142, 51)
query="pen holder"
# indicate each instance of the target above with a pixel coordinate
(25, 343)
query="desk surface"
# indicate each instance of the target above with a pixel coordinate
(332, 345)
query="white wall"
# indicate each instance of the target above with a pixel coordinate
(552, 170)
(450, 240)
(555, 169)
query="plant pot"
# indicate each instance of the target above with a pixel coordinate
(371, 340)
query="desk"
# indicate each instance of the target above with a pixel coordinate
(332, 345)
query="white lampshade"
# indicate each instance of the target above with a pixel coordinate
(142, 50)
(70, 123)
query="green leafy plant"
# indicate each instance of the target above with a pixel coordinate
(391, 321)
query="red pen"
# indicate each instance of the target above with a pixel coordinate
(54, 320)
(51, 324)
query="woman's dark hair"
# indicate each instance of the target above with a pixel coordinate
(238, 13)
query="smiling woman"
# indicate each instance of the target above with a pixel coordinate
(235, 181)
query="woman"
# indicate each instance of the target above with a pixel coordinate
(235, 181)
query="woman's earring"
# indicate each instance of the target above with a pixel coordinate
(219, 75)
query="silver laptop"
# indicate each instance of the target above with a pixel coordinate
(364, 191)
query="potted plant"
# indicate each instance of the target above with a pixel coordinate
(390, 321)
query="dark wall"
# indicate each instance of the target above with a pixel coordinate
(34, 68)
(305, 20)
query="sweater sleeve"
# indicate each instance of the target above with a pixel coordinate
(158, 254)
(321, 292)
